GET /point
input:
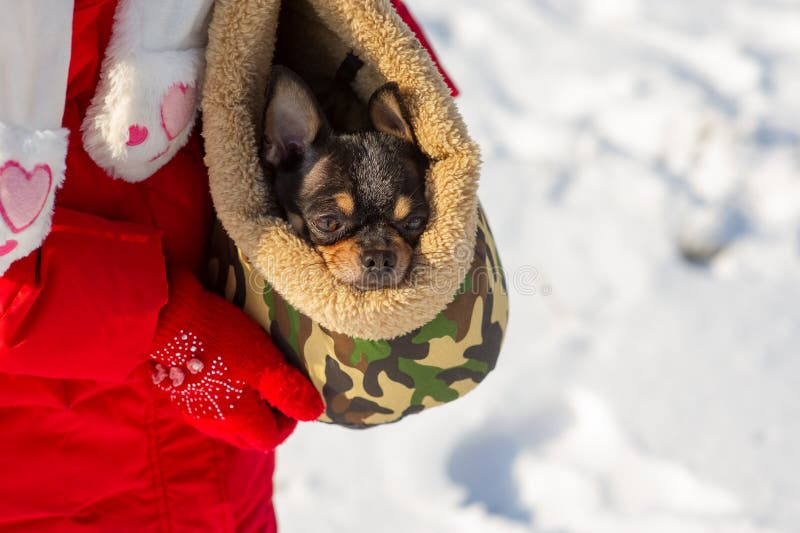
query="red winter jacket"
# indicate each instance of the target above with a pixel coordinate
(86, 444)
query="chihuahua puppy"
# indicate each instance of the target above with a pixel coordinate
(357, 197)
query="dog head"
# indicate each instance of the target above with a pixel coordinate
(358, 198)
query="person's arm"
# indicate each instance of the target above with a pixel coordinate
(86, 305)
(96, 300)
(35, 44)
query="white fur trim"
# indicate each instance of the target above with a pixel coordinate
(135, 78)
(30, 149)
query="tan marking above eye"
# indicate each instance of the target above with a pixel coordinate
(344, 200)
(317, 176)
(402, 208)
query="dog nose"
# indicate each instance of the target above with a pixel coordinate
(378, 260)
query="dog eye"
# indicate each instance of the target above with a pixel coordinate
(327, 224)
(414, 223)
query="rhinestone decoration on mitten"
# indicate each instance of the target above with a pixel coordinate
(202, 390)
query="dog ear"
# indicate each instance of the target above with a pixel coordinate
(293, 119)
(389, 115)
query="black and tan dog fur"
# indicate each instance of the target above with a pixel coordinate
(357, 196)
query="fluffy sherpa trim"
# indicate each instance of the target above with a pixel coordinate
(32, 167)
(242, 39)
(146, 101)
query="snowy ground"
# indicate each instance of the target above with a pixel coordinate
(637, 391)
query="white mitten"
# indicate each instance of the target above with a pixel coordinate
(146, 102)
(35, 39)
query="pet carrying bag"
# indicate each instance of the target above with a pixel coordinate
(375, 356)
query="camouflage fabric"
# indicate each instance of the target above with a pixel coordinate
(366, 383)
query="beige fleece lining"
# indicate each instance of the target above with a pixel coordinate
(241, 44)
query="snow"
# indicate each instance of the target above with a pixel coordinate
(642, 177)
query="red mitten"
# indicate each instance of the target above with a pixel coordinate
(224, 373)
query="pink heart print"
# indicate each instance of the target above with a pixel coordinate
(8, 247)
(137, 134)
(23, 194)
(177, 109)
